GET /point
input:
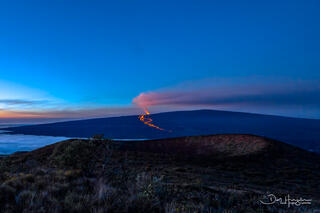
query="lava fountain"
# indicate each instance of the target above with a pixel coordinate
(146, 119)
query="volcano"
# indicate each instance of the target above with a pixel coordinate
(304, 133)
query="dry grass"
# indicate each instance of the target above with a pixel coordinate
(102, 176)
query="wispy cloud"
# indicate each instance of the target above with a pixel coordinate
(41, 115)
(20, 102)
(258, 96)
(211, 97)
(82, 112)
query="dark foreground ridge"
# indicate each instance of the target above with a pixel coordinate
(214, 173)
(304, 133)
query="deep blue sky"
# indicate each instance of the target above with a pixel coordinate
(93, 54)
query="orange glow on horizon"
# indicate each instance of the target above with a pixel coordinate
(6, 114)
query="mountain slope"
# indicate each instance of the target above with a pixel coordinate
(229, 172)
(303, 133)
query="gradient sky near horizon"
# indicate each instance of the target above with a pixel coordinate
(79, 59)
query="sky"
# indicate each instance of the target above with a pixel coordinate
(63, 60)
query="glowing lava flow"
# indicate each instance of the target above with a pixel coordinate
(147, 120)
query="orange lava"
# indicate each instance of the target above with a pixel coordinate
(147, 120)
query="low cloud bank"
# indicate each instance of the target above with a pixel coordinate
(13, 143)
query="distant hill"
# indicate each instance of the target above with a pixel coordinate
(215, 172)
(304, 133)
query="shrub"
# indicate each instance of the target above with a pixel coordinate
(4, 164)
(7, 194)
(98, 137)
(75, 155)
(25, 199)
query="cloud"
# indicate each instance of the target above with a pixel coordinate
(244, 97)
(82, 112)
(20, 102)
(52, 115)
(10, 143)
(210, 97)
